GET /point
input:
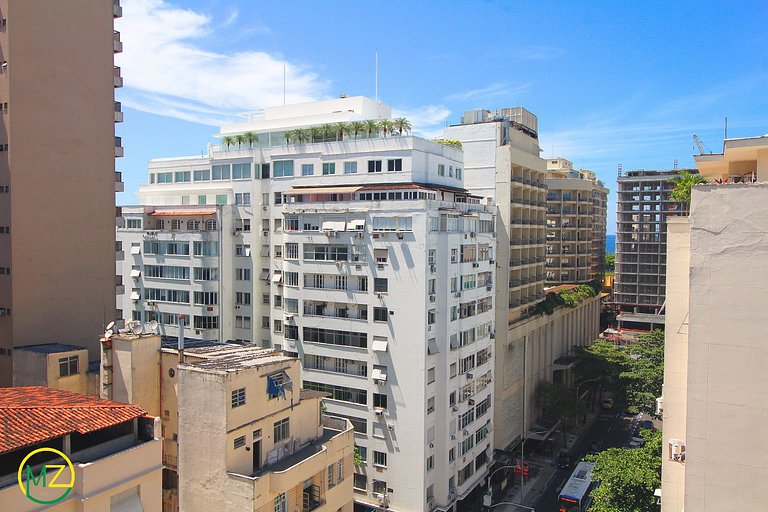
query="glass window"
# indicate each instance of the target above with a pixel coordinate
(68, 366)
(202, 175)
(183, 176)
(221, 198)
(201, 199)
(282, 168)
(307, 169)
(241, 171)
(350, 167)
(282, 430)
(395, 164)
(329, 168)
(220, 172)
(238, 397)
(374, 165)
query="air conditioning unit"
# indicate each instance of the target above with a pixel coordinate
(457, 294)
(359, 235)
(379, 411)
(265, 207)
(489, 287)
(469, 376)
(453, 437)
(431, 505)
(473, 234)
(431, 298)
(383, 500)
(455, 408)
(452, 494)
(431, 445)
(471, 402)
(465, 432)
(475, 264)
(380, 295)
(265, 232)
(491, 262)
(433, 268)
(400, 236)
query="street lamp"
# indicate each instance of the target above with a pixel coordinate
(584, 382)
(488, 497)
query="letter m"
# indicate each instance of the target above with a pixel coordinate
(29, 475)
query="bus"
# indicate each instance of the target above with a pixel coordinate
(574, 496)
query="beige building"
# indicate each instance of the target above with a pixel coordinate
(714, 404)
(251, 439)
(57, 159)
(114, 449)
(576, 223)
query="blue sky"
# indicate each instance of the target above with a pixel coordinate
(609, 81)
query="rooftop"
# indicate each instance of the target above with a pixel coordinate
(227, 356)
(30, 415)
(50, 348)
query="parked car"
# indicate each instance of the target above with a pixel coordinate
(636, 441)
(647, 424)
(564, 460)
(594, 447)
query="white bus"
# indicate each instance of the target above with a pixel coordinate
(574, 497)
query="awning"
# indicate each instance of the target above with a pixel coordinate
(135, 272)
(184, 212)
(432, 347)
(454, 341)
(264, 275)
(322, 190)
(135, 296)
(334, 225)
(379, 374)
(379, 345)
(277, 277)
(135, 249)
(356, 225)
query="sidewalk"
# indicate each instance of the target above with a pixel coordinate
(535, 485)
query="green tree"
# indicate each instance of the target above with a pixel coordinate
(371, 127)
(228, 141)
(341, 129)
(557, 402)
(291, 135)
(251, 138)
(330, 132)
(356, 128)
(358, 457)
(401, 124)
(628, 477)
(302, 135)
(387, 126)
(316, 133)
(682, 191)
(240, 139)
(610, 262)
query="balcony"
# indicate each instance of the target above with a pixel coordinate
(117, 79)
(118, 112)
(117, 45)
(117, 10)
(119, 185)
(119, 152)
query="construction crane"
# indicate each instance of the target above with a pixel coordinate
(700, 145)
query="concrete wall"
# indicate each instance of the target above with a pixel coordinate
(727, 410)
(675, 388)
(31, 368)
(135, 372)
(60, 169)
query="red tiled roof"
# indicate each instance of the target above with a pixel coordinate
(33, 414)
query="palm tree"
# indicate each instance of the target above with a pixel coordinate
(289, 136)
(371, 127)
(240, 139)
(682, 191)
(316, 133)
(330, 132)
(341, 129)
(387, 126)
(356, 127)
(227, 141)
(251, 138)
(401, 124)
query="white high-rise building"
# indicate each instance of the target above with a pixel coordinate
(362, 254)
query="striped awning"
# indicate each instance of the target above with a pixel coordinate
(186, 212)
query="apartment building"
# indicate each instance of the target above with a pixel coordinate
(503, 166)
(361, 254)
(57, 84)
(644, 205)
(238, 430)
(714, 404)
(576, 223)
(112, 450)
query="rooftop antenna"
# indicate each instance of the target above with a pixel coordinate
(135, 327)
(725, 129)
(377, 74)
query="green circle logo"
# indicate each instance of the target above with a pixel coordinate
(26, 475)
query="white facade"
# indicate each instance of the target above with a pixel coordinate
(364, 257)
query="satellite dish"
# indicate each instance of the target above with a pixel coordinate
(152, 326)
(108, 333)
(110, 326)
(135, 326)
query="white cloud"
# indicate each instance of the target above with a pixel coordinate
(427, 121)
(168, 71)
(490, 91)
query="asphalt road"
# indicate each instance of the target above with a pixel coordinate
(613, 430)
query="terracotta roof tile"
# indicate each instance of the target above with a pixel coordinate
(33, 414)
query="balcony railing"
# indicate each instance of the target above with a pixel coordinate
(118, 79)
(117, 45)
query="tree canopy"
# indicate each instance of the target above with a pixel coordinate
(683, 183)
(628, 477)
(610, 262)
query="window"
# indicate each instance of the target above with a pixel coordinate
(68, 366)
(165, 272)
(431, 316)
(292, 251)
(381, 255)
(238, 397)
(380, 400)
(243, 274)
(220, 172)
(206, 248)
(332, 337)
(350, 167)
(380, 285)
(165, 177)
(430, 405)
(329, 168)
(278, 301)
(454, 255)
(206, 274)
(277, 326)
(202, 199)
(341, 393)
(282, 168)
(331, 479)
(221, 198)
(380, 459)
(441, 169)
(242, 322)
(395, 164)
(133, 223)
(431, 286)
(264, 171)
(380, 314)
(307, 169)
(241, 171)
(244, 198)
(380, 486)
(243, 298)
(282, 430)
(326, 252)
(374, 165)
(360, 482)
(193, 225)
(206, 298)
(239, 442)
(202, 175)
(281, 503)
(206, 322)
(265, 322)
(340, 471)
(430, 464)
(291, 279)
(430, 376)
(242, 250)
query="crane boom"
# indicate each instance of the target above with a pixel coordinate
(698, 144)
